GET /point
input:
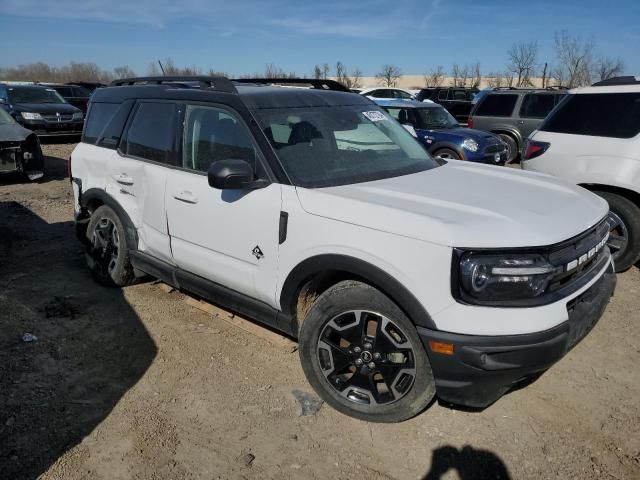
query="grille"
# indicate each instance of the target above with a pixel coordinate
(497, 148)
(574, 249)
(64, 117)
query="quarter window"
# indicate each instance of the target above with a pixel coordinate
(537, 105)
(99, 115)
(151, 134)
(614, 115)
(212, 134)
(497, 105)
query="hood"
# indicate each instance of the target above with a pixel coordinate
(459, 134)
(45, 108)
(462, 204)
(13, 132)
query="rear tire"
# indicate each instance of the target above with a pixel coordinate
(363, 356)
(624, 237)
(107, 250)
(512, 146)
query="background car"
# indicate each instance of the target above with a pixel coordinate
(457, 100)
(375, 93)
(513, 113)
(441, 134)
(593, 139)
(74, 94)
(41, 109)
(91, 86)
(19, 149)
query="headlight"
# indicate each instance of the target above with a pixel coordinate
(494, 277)
(470, 144)
(31, 116)
(78, 116)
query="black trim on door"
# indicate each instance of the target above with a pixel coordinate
(213, 292)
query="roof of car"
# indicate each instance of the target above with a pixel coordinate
(254, 96)
(507, 90)
(607, 89)
(406, 103)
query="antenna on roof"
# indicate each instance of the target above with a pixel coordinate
(161, 67)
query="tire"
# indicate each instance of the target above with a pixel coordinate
(624, 218)
(512, 146)
(402, 392)
(107, 250)
(447, 154)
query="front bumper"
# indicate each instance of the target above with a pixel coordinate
(44, 128)
(483, 368)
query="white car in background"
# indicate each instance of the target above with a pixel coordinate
(592, 139)
(376, 93)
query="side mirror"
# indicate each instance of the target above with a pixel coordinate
(233, 174)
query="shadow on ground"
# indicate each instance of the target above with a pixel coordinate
(469, 463)
(91, 347)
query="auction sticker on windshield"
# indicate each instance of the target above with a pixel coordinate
(374, 116)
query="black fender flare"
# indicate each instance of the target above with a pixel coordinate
(369, 273)
(450, 145)
(97, 194)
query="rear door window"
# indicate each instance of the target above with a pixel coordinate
(614, 115)
(497, 105)
(537, 105)
(151, 133)
(442, 95)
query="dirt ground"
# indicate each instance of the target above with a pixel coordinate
(136, 384)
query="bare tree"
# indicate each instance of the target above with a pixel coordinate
(341, 74)
(41, 72)
(435, 78)
(317, 72)
(575, 59)
(522, 61)
(545, 79)
(476, 75)
(389, 75)
(608, 68)
(123, 72)
(356, 78)
(495, 79)
(456, 75)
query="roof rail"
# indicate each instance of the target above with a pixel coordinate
(556, 87)
(317, 83)
(624, 80)
(505, 88)
(217, 83)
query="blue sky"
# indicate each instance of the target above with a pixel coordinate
(239, 36)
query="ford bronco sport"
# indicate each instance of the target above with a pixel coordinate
(313, 211)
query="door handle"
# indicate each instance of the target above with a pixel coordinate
(186, 197)
(123, 179)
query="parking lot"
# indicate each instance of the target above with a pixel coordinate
(135, 383)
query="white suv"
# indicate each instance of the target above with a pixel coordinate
(592, 139)
(314, 212)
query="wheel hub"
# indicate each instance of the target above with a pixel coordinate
(366, 357)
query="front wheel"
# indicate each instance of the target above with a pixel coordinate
(624, 230)
(363, 356)
(448, 154)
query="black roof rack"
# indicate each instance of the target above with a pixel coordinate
(504, 88)
(625, 80)
(556, 87)
(222, 84)
(320, 84)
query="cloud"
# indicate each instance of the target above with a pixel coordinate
(367, 18)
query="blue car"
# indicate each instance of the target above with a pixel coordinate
(441, 134)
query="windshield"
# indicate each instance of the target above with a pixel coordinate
(34, 95)
(340, 145)
(5, 117)
(434, 118)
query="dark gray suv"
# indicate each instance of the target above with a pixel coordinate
(513, 113)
